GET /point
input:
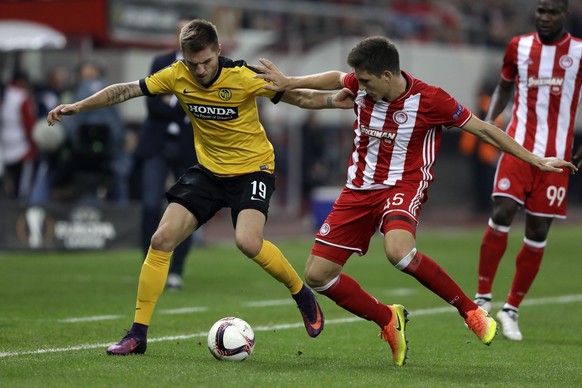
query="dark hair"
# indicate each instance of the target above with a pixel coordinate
(375, 55)
(198, 35)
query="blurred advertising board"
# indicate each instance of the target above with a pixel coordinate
(66, 227)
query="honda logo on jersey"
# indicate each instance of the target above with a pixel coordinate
(209, 112)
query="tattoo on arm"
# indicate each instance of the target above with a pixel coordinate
(118, 93)
(330, 101)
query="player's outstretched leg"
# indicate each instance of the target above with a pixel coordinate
(310, 311)
(272, 260)
(482, 324)
(395, 334)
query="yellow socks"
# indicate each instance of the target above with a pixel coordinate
(154, 273)
(152, 281)
(272, 260)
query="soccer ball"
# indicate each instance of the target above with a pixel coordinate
(231, 339)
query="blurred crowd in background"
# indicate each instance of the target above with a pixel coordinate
(90, 157)
(83, 158)
(484, 22)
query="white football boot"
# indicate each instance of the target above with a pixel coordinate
(174, 282)
(484, 303)
(508, 319)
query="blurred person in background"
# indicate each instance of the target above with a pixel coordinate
(101, 162)
(545, 69)
(54, 91)
(17, 120)
(165, 145)
(316, 171)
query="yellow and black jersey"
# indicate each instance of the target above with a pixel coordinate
(228, 136)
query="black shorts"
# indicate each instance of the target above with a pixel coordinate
(204, 194)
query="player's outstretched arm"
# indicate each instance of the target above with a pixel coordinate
(498, 138)
(315, 99)
(330, 80)
(111, 95)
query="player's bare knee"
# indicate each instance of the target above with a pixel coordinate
(164, 240)
(314, 278)
(159, 242)
(248, 245)
(503, 214)
(405, 260)
(317, 277)
(539, 234)
(396, 253)
(501, 218)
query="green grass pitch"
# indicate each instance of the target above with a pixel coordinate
(59, 311)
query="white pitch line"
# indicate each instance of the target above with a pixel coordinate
(181, 310)
(401, 291)
(184, 310)
(268, 303)
(552, 299)
(89, 319)
(414, 313)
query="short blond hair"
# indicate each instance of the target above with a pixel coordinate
(197, 35)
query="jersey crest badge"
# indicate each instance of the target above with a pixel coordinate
(325, 229)
(225, 94)
(504, 184)
(566, 61)
(400, 117)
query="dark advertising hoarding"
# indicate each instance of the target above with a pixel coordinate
(68, 227)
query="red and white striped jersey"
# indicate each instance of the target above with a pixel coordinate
(399, 140)
(547, 94)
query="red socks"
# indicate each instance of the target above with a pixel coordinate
(527, 264)
(347, 293)
(492, 249)
(433, 276)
